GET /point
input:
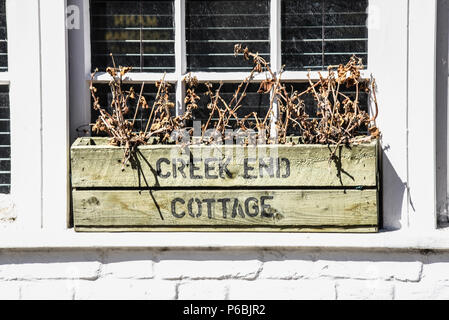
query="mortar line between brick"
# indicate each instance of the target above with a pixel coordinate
(226, 292)
(420, 274)
(178, 284)
(73, 293)
(259, 271)
(394, 291)
(100, 271)
(336, 290)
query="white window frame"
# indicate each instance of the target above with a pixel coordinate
(26, 139)
(403, 30)
(37, 77)
(385, 17)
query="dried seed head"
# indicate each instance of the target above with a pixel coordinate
(191, 81)
(125, 70)
(131, 93)
(111, 71)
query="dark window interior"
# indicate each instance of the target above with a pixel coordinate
(319, 33)
(149, 92)
(310, 103)
(5, 141)
(214, 27)
(138, 33)
(3, 38)
(253, 102)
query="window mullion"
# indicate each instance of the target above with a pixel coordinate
(275, 35)
(180, 54)
(275, 55)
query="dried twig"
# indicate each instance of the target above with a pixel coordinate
(338, 118)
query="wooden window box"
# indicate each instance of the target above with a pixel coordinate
(270, 188)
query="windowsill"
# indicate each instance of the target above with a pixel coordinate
(69, 239)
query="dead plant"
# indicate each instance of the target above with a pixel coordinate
(160, 123)
(338, 119)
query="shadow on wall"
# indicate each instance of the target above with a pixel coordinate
(442, 74)
(111, 256)
(393, 192)
(393, 188)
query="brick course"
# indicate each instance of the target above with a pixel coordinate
(220, 274)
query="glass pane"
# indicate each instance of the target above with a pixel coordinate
(5, 141)
(310, 102)
(3, 38)
(214, 27)
(253, 102)
(138, 33)
(319, 33)
(149, 92)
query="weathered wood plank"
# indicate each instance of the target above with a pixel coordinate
(279, 209)
(223, 166)
(230, 229)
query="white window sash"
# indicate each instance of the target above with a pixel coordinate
(421, 170)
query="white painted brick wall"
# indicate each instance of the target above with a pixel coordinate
(204, 290)
(223, 274)
(126, 289)
(128, 265)
(426, 290)
(47, 290)
(282, 289)
(365, 289)
(9, 290)
(207, 265)
(49, 265)
(369, 270)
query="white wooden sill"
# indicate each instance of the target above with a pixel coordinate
(69, 239)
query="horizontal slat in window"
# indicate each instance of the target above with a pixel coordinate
(3, 38)
(253, 102)
(138, 33)
(214, 27)
(5, 141)
(149, 92)
(319, 33)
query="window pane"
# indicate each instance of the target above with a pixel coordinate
(3, 38)
(214, 27)
(149, 92)
(5, 141)
(310, 102)
(253, 102)
(319, 33)
(138, 33)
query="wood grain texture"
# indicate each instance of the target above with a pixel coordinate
(277, 210)
(231, 229)
(99, 166)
